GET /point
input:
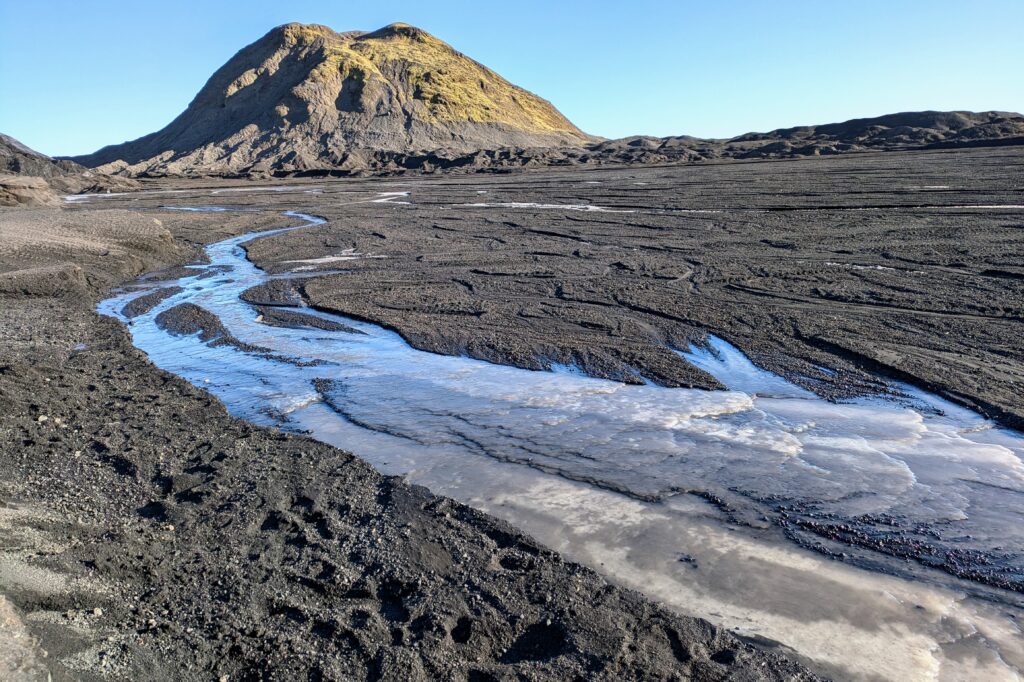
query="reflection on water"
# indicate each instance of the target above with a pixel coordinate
(627, 459)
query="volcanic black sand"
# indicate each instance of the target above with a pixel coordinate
(148, 535)
(833, 272)
(212, 547)
(899, 264)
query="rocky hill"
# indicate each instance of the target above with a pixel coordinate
(24, 175)
(19, 159)
(306, 97)
(29, 178)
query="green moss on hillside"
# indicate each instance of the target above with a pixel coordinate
(439, 84)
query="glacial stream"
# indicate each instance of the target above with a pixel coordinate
(707, 501)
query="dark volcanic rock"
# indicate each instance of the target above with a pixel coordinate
(826, 262)
(143, 304)
(306, 100)
(913, 130)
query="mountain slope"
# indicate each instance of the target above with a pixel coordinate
(305, 97)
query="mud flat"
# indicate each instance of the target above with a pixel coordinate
(693, 497)
(517, 270)
(149, 535)
(848, 276)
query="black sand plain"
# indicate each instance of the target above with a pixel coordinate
(839, 273)
(212, 547)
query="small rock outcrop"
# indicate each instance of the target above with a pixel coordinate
(26, 190)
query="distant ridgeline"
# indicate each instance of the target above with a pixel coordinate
(304, 99)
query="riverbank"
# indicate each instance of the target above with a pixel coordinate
(600, 272)
(696, 498)
(148, 534)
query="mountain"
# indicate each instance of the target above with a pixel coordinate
(306, 97)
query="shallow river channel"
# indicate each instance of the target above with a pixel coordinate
(704, 500)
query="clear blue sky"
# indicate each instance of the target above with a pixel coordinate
(76, 75)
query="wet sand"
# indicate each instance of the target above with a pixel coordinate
(855, 263)
(840, 274)
(156, 537)
(858, 264)
(672, 491)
